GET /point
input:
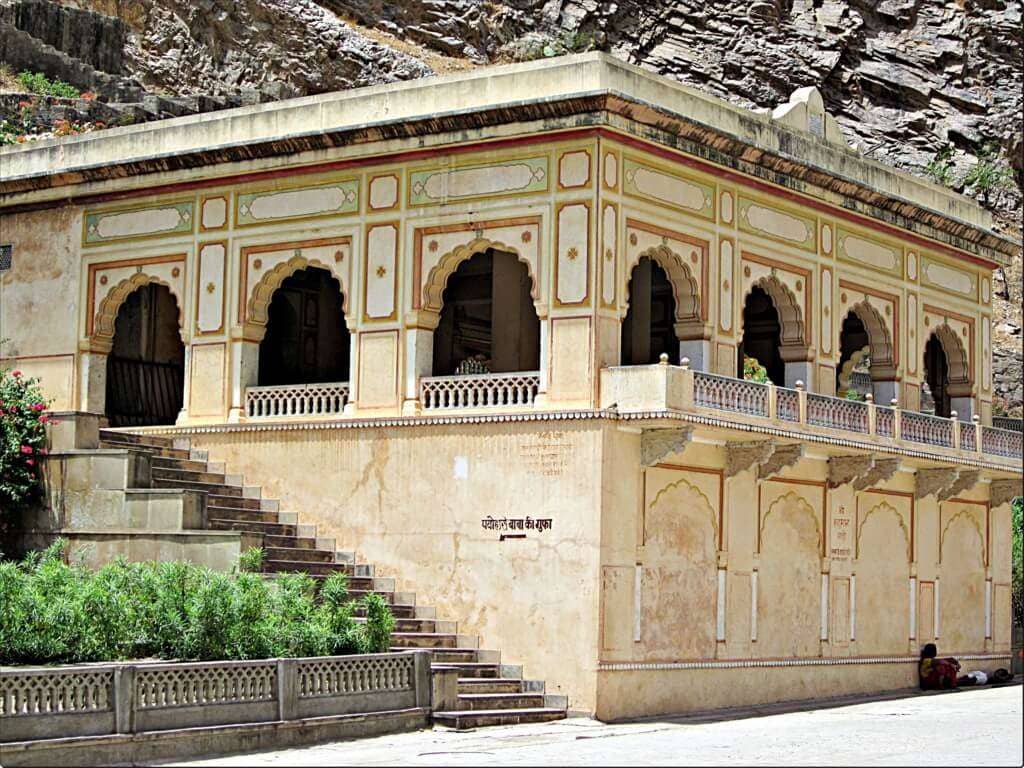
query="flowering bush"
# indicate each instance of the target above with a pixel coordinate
(23, 420)
(753, 370)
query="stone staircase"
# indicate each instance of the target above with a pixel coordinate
(489, 692)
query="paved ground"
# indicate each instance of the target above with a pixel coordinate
(968, 727)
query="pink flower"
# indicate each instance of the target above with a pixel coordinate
(16, 374)
(30, 462)
(26, 449)
(37, 407)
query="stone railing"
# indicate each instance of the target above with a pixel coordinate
(837, 413)
(296, 400)
(725, 394)
(1015, 423)
(666, 387)
(486, 390)
(105, 699)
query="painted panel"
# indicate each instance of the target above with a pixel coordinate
(944, 277)
(570, 360)
(869, 252)
(725, 262)
(574, 169)
(214, 213)
(792, 228)
(668, 189)
(913, 323)
(572, 266)
(380, 273)
(206, 392)
(883, 567)
(926, 612)
(383, 192)
(986, 353)
(726, 207)
(136, 223)
(378, 370)
(911, 265)
(826, 239)
(335, 198)
(616, 607)
(611, 170)
(986, 290)
(826, 311)
(429, 187)
(962, 564)
(840, 608)
(210, 288)
(609, 233)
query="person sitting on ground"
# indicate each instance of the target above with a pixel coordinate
(936, 674)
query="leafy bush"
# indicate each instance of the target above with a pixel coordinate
(1017, 521)
(988, 174)
(51, 611)
(940, 168)
(37, 82)
(22, 441)
(753, 370)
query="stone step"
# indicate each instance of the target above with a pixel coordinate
(490, 701)
(240, 502)
(225, 522)
(160, 480)
(481, 669)
(289, 541)
(457, 656)
(304, 554)
(499, 685)
(163, 462)
(280, 566)
(413, 624)
(254, 516)
(170, 453)
(444, 640)
(196, 476)
(155, 441)
(462, 720)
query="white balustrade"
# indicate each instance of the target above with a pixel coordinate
(968, 436)
(485, 390)
(837, 413)
(925, 428)
(327, 399)
(885, 421)
(1002, 442)
(787, 404)
(727, 394)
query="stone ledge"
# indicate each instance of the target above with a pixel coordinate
(149, 746)
(813, 662)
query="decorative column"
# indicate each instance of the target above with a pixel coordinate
(245, 369)
(419, 356)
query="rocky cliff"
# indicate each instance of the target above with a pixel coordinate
(931, 86)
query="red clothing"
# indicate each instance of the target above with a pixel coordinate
(939, 673)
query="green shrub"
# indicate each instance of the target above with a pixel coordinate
(988, 174)
(753, 370)
(940, 167)
(37, 82)
(1017, 589)
(52, 611)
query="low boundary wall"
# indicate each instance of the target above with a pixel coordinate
(102, 713)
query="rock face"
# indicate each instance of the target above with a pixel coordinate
(913, 83)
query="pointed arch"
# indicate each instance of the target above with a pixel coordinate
(263, 292)
(883, 357)
(801, 504)
(786, 305)
(975, 527)
(885, 506)
(685, 288)
(686, 485)
(437, 279)
(957, 362)
(106, 312)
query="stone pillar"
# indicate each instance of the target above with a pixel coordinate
(92, 382)
(885, 391)
(800, 371)
(186, 389)
(419, 356)
(353, 366)
(245, 370)
(545, 349)
(964, 406)
(699, 352)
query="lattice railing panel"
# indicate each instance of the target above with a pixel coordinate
(885, 421)
(486, 390)
(58, 691)
(334, 677)
(1002, 442)
(195, 685)
(728, 394)
(837, 413)
(787, 404)
(296, 400)
(968, 436)
(925, 428)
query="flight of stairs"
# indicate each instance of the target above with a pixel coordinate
(489, 692)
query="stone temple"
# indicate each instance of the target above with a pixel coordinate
(489, 332)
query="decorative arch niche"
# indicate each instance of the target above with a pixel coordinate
(437, 279)
(788, 308)
(956, 360)
(262, 293)
(102, 337)
(685, 288)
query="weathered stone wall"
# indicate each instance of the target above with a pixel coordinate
(93, 39)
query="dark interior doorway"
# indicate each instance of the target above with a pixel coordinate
(854, 339)
(307, 339)
(935, 394)
(648, 330)
(146, 367)
(488, 321)
(762, 336)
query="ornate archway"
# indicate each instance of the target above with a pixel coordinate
(959, 367)
(102, 337)
(685, 289)
(788, 308)
(873, 341)
(261, 295)
(437, 278)
(947, 373)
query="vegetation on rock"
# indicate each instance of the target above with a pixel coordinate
(53, 612)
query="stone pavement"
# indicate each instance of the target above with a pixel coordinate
(977, 727)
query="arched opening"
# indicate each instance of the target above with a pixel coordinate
(853, 376)
(762, 338)
(935, 391)
(307, 339)
(648, 330)
(146, 365)
(488, 323)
